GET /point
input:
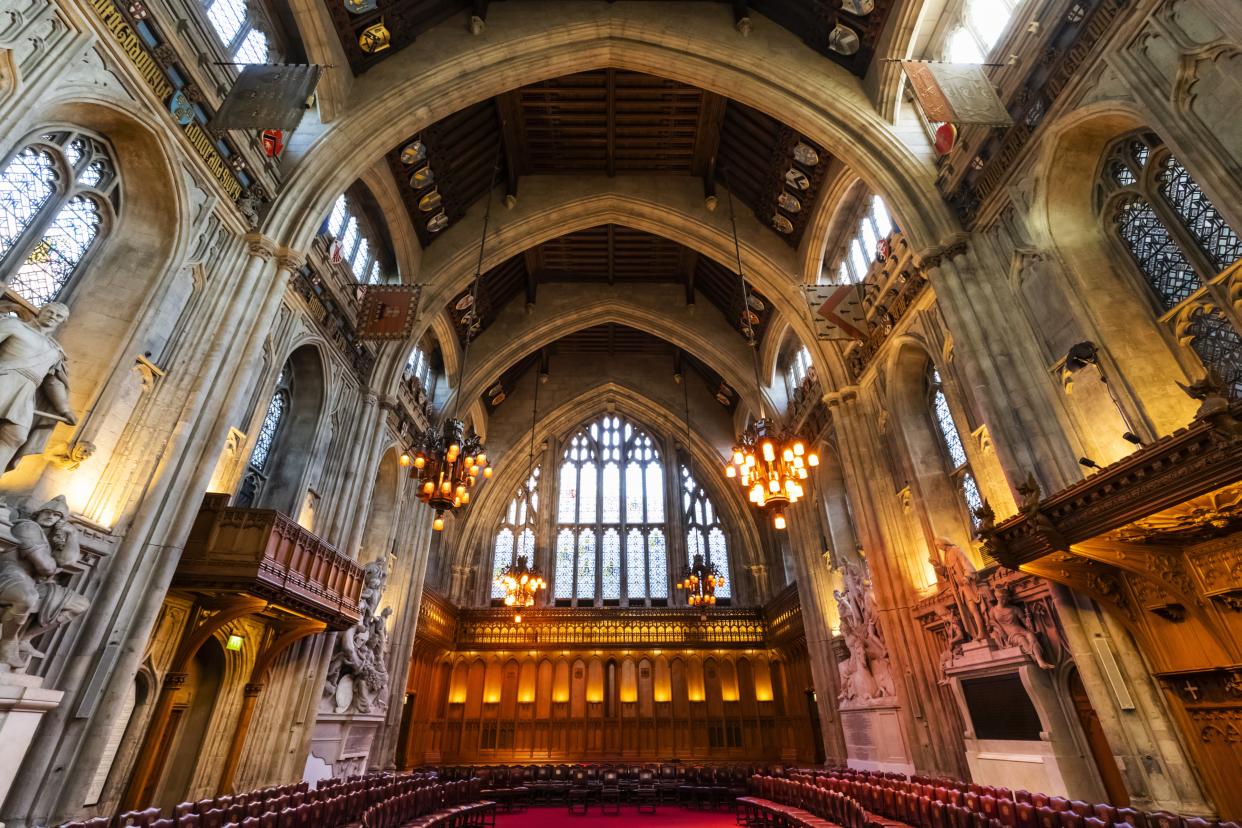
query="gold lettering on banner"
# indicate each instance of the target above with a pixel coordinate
(150, 71)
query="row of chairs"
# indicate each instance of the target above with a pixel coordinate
(784, 803)
(444, 805)
(288, 806)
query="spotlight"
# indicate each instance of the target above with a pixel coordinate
(1088, 462)
(1131, 437)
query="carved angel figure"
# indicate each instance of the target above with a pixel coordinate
(357, 679)
(31, 602)
(1012, 628)
(34, 386)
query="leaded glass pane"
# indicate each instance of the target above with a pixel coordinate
(657, 560)
(526, 545)
(635, 565)
(586, 565)
(1122, 174)
(1218, 345)
(695, 544)
(633, 493)
(349, 238)
(1139, 152)
(563, 582)
(373, 278)
(948, 430)
(253, 48)
(360, 257)
(93, 175)
(879, 211)
(970, 493)
(227, 18)
(1198, 214)
(610, 567)
(51, 262)
(74, 152)
(718, 550)
(963, 48)
(27, 183)
(1157, 255)
(588, 483)
(655, 493)
(502, 557)
(336, 219)
(267, 431)
(611, 501)
(567, 510)
(988, 18)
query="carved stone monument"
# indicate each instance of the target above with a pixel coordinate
(355, 694)
(38, 548)
(870, 718)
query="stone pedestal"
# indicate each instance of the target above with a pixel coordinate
(873, 736)
(1054, 763)
(23, 701)
(340, 744)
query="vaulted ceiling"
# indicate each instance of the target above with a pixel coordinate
(843, 31)
(609, 123)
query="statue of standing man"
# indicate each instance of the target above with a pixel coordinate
(34, 386)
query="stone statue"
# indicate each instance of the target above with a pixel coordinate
(866, 673)
(1011, 627)
(955, 637)
(956, 572)
(357, 680)
(34, 387)
(31, 602)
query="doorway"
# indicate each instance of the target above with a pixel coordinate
(1097, 742)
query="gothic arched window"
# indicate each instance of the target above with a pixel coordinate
(235, 26)
(418, 369)
(516, 536)
(57, 196)
(260, 457)
(951, 441)
(982, 24)
(874, 224)
(1180, 245)
(610, 539)
(704, 534)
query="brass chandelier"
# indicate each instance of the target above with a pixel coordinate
(700, 581)
(447, 460)
(769, 462)
(519, 581)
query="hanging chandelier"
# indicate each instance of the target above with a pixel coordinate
(700, 581)
(769, 462)
(447, 460)
(521, 584)
(447, 463)
(770, 465)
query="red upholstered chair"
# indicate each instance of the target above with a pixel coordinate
(182, 808)
(1045, 817)
(1083, 809)
(1069, 819)
(1131, 817)
(1163, 819)
(1199, 822)
(188, 821)
(1024, 815)
(1006, 812)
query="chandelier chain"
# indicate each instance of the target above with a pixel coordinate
(737, 253)
(474, 290)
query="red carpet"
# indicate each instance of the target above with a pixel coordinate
(672, 816)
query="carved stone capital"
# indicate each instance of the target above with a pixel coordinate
(290, 260)
(833, 399)
(946, 251)
(261, 246)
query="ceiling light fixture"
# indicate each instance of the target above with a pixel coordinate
(769, 462)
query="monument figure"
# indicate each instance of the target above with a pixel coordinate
(34, 386)
(31, 602)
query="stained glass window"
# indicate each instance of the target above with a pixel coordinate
(49, 220)
(611, 489)
(349, 239)
(516, 535)
(704, 534)
(359, 262)
(373, 278)
(874, 224)
(236, 31)
(1217, 344)
(982, 25)
(951, 442)
(338, 216)
(270, 427)
(1179, 241)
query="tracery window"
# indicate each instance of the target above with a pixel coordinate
(260, 457)
(516, 535)
(418, 369)
(352, 248)
(951, 441)
(236, 28)
(982, 24)
(1179, 243)
(704, 534)
(798, 368)
(58, 195)
(610, 541)
(874, 224)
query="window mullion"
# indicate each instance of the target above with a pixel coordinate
(1182, 236)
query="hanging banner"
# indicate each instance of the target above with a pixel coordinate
(837, 310)
(387, 311)
(956, 93)
(267, 96)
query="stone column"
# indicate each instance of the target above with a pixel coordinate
(216, 378)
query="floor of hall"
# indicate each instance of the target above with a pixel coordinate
(666, 816)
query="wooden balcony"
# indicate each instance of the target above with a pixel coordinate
(265, 553)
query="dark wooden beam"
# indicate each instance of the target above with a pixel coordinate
(689, 265)
(612, 254)
(707, 136)
(534, 264)
(509, 110)
(612, 124)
